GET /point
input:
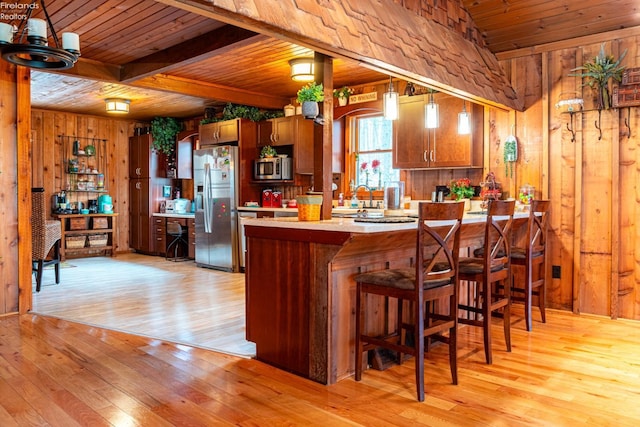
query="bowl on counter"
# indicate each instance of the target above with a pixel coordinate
(84, 211)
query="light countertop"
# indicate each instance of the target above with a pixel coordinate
(349, 225)
(175, 215)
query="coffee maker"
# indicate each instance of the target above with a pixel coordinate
(93, 206)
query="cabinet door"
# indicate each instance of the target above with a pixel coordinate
(446, 147)
(265, 131)
(227, 131)
(303, 148)
(142, 161)
(184, 159)
(208, 133)
(409, 148)
(284, 130)
(139, 227)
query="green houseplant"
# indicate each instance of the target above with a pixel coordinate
(164, 131)
(308, 96)
(462, 189)
(342, 94)
(599, 73)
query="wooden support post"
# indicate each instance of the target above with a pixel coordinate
(322, 135)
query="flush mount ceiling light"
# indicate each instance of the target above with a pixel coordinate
(464, 124)
(390, 102)
(35, 52)
(117, 105)
(431, 113)
(302, 69)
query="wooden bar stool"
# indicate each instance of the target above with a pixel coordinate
(532, 257)
(488, 275)
(434, 278)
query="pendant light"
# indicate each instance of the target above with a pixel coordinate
(464, 124)
(390, 102)
(35, 52)
(431, 113)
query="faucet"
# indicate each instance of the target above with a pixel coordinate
(355, 191)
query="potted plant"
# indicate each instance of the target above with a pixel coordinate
(268, 151)
(462, 189)
(598, 74)
(308, 96)
(343, 95)
(164, 131)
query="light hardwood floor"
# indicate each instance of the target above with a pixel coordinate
(147, 295)
(574, 370)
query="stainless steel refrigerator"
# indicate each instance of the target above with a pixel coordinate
(216, 197)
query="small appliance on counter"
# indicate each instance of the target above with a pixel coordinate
(181, 206)
(105, 204)
(170, 206)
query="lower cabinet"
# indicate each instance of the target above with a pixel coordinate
(163, 240)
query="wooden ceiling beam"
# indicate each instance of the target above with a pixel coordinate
(212, 91)
(188, 52)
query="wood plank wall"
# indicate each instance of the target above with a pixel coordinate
(591, 182)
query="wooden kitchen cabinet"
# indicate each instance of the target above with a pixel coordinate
(146, 183)
(184, 154)
(415, 147)
(219, 132)
(292, 131)
(162, 240)
(278, 131)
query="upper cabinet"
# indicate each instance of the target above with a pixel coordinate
(294, 131)
(219, 132)
(185, 142)
(415, 147)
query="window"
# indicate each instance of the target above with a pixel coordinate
(373, 140)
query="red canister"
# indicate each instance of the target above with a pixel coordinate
(267, 198)
(276, 199)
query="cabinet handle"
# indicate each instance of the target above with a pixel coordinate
(432, 155)
(271, 137)
(424, 156)
(138, 186)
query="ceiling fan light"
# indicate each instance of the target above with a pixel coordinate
(302, 69)
(117, 105)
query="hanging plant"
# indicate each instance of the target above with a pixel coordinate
(164, 131)
(510, 154)
(598, 74)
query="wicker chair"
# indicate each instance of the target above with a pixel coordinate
(45, 235)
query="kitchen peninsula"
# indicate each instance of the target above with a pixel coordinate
(300, 290)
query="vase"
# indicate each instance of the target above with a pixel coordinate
(342, 101)
(310, 109)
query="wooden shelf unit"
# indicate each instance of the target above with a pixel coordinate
(94, 225)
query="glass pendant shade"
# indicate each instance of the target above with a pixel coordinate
(431, 114)
(391, 103)
(464, 122)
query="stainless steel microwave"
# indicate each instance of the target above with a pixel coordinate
(273, 168)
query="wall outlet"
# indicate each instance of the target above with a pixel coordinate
(555, 271)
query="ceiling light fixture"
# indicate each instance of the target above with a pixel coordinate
(464, 123)
(117, 105)
(390, 102)
(431, 120)
(36, 52)
(302, 69)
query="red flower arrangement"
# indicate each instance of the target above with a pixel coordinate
(375, 165)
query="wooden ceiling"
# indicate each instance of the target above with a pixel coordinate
(170, 61)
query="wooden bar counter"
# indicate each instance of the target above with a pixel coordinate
(300, 290)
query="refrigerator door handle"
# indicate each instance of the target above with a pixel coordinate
(207, 202)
